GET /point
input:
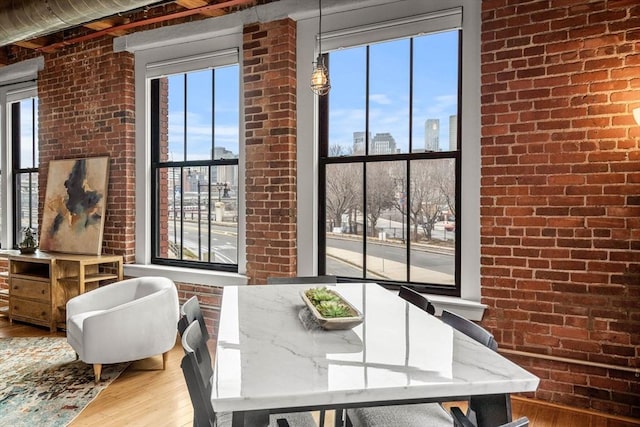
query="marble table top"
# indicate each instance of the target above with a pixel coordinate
(270, 356)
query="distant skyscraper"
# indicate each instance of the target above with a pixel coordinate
(432, 135)
(383, 143)
(453, 132)
(359, 142)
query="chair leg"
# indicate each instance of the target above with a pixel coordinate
(165, 356)
(97, 370)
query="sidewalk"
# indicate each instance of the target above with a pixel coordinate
(388, 269)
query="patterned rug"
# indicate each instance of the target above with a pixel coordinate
(41, 383)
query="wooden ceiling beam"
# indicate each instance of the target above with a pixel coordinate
(194, 4)
(105, 24)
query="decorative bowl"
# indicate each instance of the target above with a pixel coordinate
(27, 250)
(334, 323)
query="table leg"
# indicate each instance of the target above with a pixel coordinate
(250, 419)
(491, 410)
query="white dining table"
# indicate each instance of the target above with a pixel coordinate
(270, 358)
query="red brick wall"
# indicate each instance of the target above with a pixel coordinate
(560, 209)
(86, 109)
(270, 132)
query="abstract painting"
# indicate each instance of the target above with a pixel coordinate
(74, 206)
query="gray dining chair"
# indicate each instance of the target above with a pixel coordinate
(417, 299)
(197, 371)
(421, 414)
(189, 312)
(484, 337)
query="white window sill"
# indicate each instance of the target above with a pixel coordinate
(186, 275)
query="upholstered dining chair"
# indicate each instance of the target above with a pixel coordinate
(422, 414)
(484, 337)
(198, 371)
(124, 321)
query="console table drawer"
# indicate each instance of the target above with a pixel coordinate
(30, 289)
(30, 311)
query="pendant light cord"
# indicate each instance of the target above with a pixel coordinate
(320, 28)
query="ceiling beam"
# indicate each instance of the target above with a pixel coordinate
(193, 4)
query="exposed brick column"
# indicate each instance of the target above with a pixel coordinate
(86, 109)
(270, 138)
(559, 196)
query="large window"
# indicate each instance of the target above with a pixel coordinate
(24, 148)
(195, 146)
(390, 162)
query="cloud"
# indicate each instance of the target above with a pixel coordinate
(380, 98)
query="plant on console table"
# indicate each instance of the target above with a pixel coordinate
(29, 243)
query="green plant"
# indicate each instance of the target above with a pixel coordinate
(29, 240)
(317, 295)
(328, 303)
(333, 309)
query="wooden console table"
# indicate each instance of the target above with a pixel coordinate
(40, 284)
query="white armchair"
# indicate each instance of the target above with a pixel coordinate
(124, 321)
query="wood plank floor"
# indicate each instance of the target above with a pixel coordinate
(145, 395)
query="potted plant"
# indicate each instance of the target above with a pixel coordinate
(29, 242)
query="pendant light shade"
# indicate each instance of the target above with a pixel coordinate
(320, 76)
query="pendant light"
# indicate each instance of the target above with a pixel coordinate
(320, 76)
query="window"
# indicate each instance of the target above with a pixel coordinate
(23, 119)
(194, 152)
(390, 157)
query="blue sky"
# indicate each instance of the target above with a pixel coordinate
(435, 96)
(435, 82)
(199, 120)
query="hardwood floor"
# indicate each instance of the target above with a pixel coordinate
(145, 395)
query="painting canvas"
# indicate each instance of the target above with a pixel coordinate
(74, 206)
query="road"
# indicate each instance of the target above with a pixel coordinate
(224, 243)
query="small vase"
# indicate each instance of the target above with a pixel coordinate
(27, 250)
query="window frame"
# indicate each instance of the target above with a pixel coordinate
(367, 158)
(341, 19)
(17, 170)
(155, 50)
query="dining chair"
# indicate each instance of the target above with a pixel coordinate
(417, 299)
(189, 312)
(301, 280)
(197, 371)
(470, 329)
(421, 414)
(484, 337)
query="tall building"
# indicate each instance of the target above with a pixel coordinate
(359, 142)
(432, 135)
(453, 132)
(383, 143)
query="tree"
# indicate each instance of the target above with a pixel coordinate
(380, 194)
(343, 188)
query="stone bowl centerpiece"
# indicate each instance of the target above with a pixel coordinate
(330, 310)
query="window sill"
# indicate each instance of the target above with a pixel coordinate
(472, 310)
(186, 275)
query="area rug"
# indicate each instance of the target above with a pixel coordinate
(42, 383)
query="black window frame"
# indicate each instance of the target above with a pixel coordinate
(324, 159)
(17, 171)
(186, 165)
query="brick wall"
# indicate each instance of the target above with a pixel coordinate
(560, 210)
(270, 132)
(86, 109)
